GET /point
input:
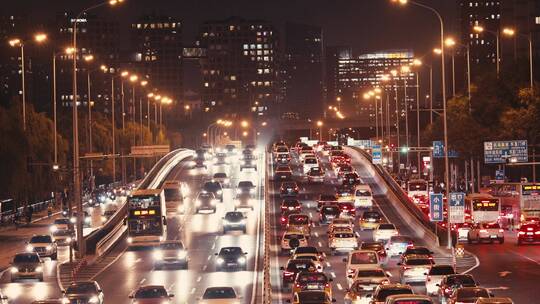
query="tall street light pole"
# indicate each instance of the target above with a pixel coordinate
(481, 29)
(405, 70)
(509, 32)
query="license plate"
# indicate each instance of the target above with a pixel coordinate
(231, 264)
(312, 286)
(529, 233)
(493, 236)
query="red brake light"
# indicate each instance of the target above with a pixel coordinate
(288, 273)
(537, 232)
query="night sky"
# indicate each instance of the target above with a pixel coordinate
(366, 25)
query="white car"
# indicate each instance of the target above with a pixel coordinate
(316, 258)
(361, 259)
(310, 162)
(435, 276)
(384, 232)
(342, 241)
(370, 278)
(306, 153)
(414, 268)
(292, 239)
(220, 295)
(340, 223)
(486, 232)
(363, 197)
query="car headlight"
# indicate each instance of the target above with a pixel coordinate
(220, 261)
(219, 192)
(73, 220)
(197, 203)
(53, 228)
(68, 240)
(29, 248)
(158, 255)
(238, 191)
(182, 254)
(39, 269)
(130, 240)
(48, 248)
(14, 269)
(93, 300)
(252, 190)
(242, 260)
(87, 220)
(103, 219)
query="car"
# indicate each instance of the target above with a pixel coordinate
(244, 201)
(200, 162)
(309, 163)
(221, 159)
(361, 259)
(234, 220)
(311, 297)
(290, 204)
(87, 219)
(231, 149)
(350, 179)
(375, 246)
(397, 245)
(342, 241)
(282, 159)
(292, 239)
(307, 280)
(219, 295)
(315, 175)
(43, 245)
(382, 292)
(281, 151)
(283, 173)
(347, 209)
(213, 187)
(482, 232)
(344, 194)
(328, 213)
(83, 292)
(316, 258)
(421, 250)
(306, 152)
(46, 301)
(171, 253)
(494, 300)
(384, 231)
(63, 237)
(248, 162)
(26, 265)
(414, 268)
(62, 223)
(369, 220)
(363, 196)
(205, 201)
(435, 275)
(299, 222)
(338, 157)
(358, 292)
(451, 282)
(326, 199)
(308, 250)
(340, 223)
(464, 295)
(246, 187)
(370, 278)
(150, 294)
(288, 189)
(293, 267)
(223, 179)
(231, 258)
(408, 298)
(528, 233)
(462, 230)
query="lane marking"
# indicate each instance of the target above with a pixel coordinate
(328, 264)
(142, 281)
(526, 257)
(339, 286)
(204, 267)
(333, 274)
(199, 278)
(193, 290)
(319, 243)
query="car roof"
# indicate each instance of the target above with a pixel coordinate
(407, 297)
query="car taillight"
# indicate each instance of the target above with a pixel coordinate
(350, 271)
(297, 285)
(529, 229)
(447, 290)
(326, 285)
(537, 232)
(283, 220)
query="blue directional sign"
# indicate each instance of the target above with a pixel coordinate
(438, 149)
(456, 207)
(436, 207)
(498, 152)
(376, 154)
(499, 175)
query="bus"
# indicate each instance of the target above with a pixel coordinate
(519, 200)
(146, 218)
(483, 207)
(175, 193)
(418, 190)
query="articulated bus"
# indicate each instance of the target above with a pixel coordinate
(418, 190)
(146, 218)
(483, 207)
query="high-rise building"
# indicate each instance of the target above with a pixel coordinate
(240, 71)
(332, 55)
(157, 52)
(11, 26)
(303, 69)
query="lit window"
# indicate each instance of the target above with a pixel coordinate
(206, 84)
(233, 77)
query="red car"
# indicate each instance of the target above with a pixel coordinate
(528, 233)
(326, 199)
(347, 208)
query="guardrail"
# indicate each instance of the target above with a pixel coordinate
(267, 285)
(101, 240)
(413, 210)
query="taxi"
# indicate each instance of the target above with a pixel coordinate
(312, 281)
(369, 220)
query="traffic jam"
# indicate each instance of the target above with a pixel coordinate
(336, 244)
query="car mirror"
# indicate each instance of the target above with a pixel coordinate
(350, 276)
(368, 295)
(245, 253)
(100, 290)
(425, 273)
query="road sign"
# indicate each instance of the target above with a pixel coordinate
(150, 150)
(438, 149)
(497, 152)
(499, 175)
(362, 143)
(436, 207)
(456, 210)
(376, 155)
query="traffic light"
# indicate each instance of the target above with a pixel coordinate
(404, 149)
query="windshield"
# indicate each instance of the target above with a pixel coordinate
(172, 194)
(326, 197)
(282, 150)
(375, 247)
(26, 258)
(234, 216)
(231, 251)
(417, 186)
(220, 175)
(306, 250)
(62, 221)
(212, 186)
(310, 161)
(331, 210)
(145, 226)
(385, 293)
(293, 236)
(363, 193)
(296, 266)
(461, 280)
(88, 287)
(171, 246)
(245, 184)
(313, 297)
(371, 215)
(364, 258)
(283, 169)
(312, 277)
(219, 293)
(150, 293)
(371, 273)
(41, 239)
(344, 235)
(206, 195)
(419, 262)
(441, 270)
(418, 250)
(298, 219)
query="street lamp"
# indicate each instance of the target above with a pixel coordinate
(320, 124)
(445, 123)
(38, 38)
(510, 32)
(417, 63)
(480, 29)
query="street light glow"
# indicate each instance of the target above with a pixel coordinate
(133, 78)
(449, 42)
(437, 51)
(319, 123)
(150, 95)
(417, 62)
(14, 42)
(40, 37)
(478, 28)
(88, 58)
(508, 31)
(124, 74)
(144, 83)
(244, 124)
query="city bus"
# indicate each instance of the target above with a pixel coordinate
(418, 190)
(483, 207)
(146, 218)
(520, 201)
